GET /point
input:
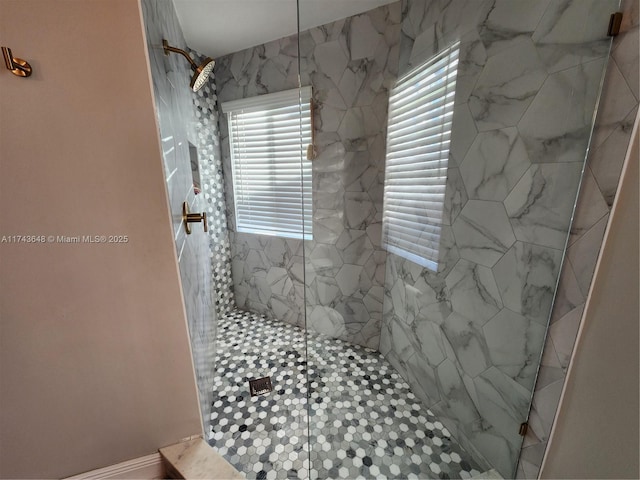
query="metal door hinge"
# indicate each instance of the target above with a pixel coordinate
(614, 24)
(524, 428)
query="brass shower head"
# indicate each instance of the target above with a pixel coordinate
(200, 72)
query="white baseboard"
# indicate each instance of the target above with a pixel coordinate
(143, 468)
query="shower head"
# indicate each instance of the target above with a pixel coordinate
(200, 72)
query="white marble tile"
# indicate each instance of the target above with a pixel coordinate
(327, 290)
(556, 126)
(546, 401)
(573, 32)
(626, 58)
(515, 344)
(467, 341)
(472, 58)
(564, 332)
(568, 295)
(354, 246)
(349, 279)
(507, 22)
(504, 403)
(494, 163)
(483, 232)
(526, 277)
(607, 159)
(326, 321)
(540, 205)
(328, 225)
(492, 446)
(454, 393)
(473, 292)
(373, 299)
(507, 85)
(422, 378)
(428, 337)
(616, 102)
(590, 208)
(359, 209)
(325, 260)
(448, 254)
(363, 37)
(455, 196)
(583, 254)
(256, 264)
(463, 131)
(279, 281)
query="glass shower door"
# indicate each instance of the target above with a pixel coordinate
(464, 145)
(261, 428)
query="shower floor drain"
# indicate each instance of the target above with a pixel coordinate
(258, 386)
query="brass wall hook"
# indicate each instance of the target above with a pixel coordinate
(188, 218)
(18, 66)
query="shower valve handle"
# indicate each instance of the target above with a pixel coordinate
(188, 218)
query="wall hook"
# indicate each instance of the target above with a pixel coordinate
(18, 66)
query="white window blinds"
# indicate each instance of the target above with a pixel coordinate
(268, 139)
(418, 137)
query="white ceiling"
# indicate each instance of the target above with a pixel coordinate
(219, 27)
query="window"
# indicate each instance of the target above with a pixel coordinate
(268, 138)
(418, 137)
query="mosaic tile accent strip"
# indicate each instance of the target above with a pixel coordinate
(365, 422)
(210, 160)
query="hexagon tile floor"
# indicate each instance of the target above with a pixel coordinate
(364, 421)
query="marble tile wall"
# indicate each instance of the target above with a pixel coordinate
(614, 123)
(267, 271)
(351, 64)
(468, 338)
(178, 127)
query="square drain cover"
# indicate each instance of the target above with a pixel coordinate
(258, 386)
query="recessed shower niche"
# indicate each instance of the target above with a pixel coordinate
(392, 190)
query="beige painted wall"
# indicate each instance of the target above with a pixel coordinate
(95, 364)
(597, 429)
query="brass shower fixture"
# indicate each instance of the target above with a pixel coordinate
(18, 66)
(201, 72)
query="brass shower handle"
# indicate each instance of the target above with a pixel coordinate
(188, 218)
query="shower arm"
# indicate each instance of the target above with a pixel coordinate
(167, 48)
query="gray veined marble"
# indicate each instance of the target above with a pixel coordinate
(507, 85)
(354, 246)
(353, 280)
(327, 321)
(455, 196)
(572, 32)
(473, 291)
(504, 404)
(494, 163)
(514, 344)
(505, 23)
(540, 205)
(468, 343)
(471, 61)
(526, 277)
(556, 126)
(483, 233)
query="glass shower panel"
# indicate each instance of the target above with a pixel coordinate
(428, 296)
(261, 429)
